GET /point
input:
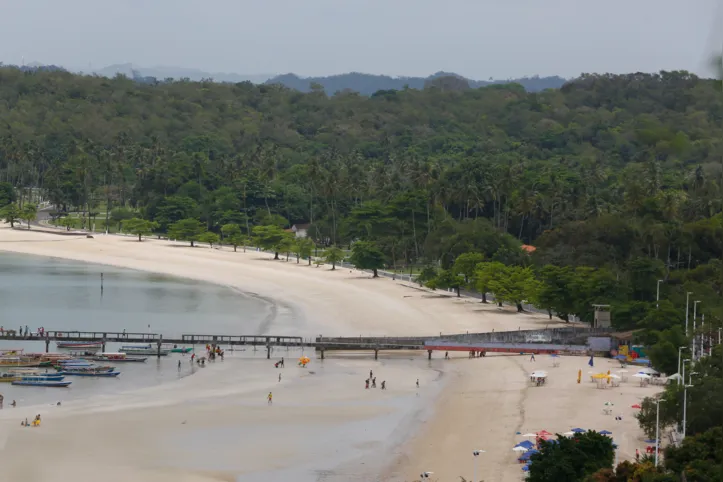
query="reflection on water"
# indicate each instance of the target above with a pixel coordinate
(63, 295)
(66, 296)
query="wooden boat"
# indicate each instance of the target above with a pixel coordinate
(79, 345)
(184, 349)
(116, 357)
(18, 362)
(8, 377)
(144, 350)
(41, 383)
(89, 373)
(56, 377)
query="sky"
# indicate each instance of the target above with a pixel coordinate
(475, 38)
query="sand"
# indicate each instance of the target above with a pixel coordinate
(323, 425)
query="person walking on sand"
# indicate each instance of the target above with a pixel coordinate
(417, 382)
(366, 384)
(384, 384)
(279, 377)
(270, 398)
(179, 365)
(282, 362)
(374, 382)
(446, 355)
(532, 357)
(371, 374)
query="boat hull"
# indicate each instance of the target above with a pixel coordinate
(91, 374)
(50, 384)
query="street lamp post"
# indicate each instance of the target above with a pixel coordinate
(657, 429)
(684, 361)
(657, 294)
(476, 454)
(687, 310)
(695, 307)
(680, 349)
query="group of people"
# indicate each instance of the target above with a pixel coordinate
(2, 399)
(373, 381)
(22, 331)
(35, 422)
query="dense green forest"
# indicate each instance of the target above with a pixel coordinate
(617, 180)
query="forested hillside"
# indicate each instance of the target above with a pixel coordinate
(617, 180)
(367, 84)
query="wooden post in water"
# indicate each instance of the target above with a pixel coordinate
(101, 283)
(47, 345)
(160, 342)
(322, 353)
(429, 354)
(376, 354)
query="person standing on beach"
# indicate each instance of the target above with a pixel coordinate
(417, 382)
(366, 384)
(282, 362)
(279, 377)
(532, 357)
(384, 384)
(374, 382)
(371, 374)
(179, 365)
(270, 398)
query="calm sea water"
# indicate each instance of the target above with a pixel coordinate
(66, 295)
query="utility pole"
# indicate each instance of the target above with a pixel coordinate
(657, 429)
(695, 307)
(657, 294)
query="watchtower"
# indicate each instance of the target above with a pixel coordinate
(602, 316)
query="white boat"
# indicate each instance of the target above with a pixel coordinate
(144, 350)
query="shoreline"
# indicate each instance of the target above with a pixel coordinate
(473, 401)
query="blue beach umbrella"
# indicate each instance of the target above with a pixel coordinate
(525, 443)
(605, 432)
(578, 430)
(649, 441)
(525, 468)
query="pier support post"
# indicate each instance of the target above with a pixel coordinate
(47, 345)
(429, 354)
(322, 353)
(268, 351)
(376, 354)
(102, 347)
(160, 342)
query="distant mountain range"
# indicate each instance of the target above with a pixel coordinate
(365, 84)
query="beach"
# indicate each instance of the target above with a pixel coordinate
(323, 424)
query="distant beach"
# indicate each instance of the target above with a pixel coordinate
(323, 425)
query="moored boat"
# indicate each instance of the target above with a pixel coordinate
(147, 349)
(55, 377)
(18, 362)
(116, 357)
(41, 383)
(79, 345)
(89, 373)
(8, 377)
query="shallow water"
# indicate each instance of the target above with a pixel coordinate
(66, 295)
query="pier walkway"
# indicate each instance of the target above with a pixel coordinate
(555, 340)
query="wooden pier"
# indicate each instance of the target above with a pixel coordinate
(543, 341)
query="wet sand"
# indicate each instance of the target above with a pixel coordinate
(322, 426)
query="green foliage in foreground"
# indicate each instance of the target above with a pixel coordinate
(572, 458)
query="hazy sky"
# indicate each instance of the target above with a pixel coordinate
(475, 38)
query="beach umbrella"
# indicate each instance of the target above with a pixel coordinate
(647, 370)
(636, 406)
(605, 432)
(525, 468)
(675, 376)
(622, 371)
(525, 443)
(616, 377)
(600, 376)
(543, 432)
(642, 376)
(569, 433)
(519, 448)
(649, 441)
(530, 435)
(578, 430)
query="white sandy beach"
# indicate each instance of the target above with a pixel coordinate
(215, 425)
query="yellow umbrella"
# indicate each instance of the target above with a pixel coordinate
(600, 376)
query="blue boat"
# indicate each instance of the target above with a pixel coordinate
(41, 383)
(89, 374)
